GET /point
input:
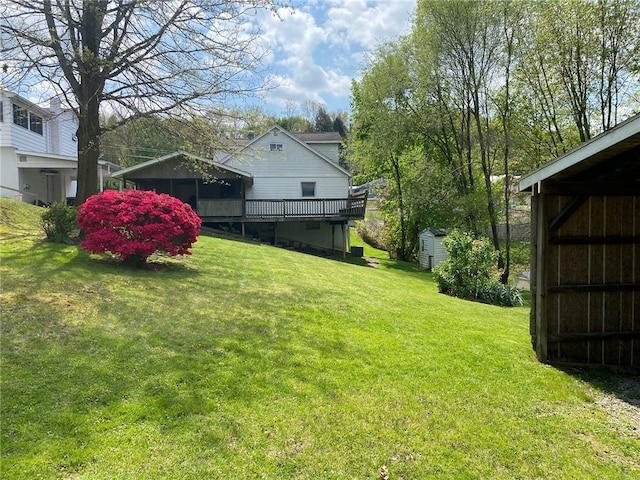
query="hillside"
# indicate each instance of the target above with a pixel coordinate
(248, 361)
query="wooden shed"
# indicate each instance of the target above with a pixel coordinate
(585, 252)
(432, 251)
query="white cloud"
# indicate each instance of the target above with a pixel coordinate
(369, 23)
(318, 49)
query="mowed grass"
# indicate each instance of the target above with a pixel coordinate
(246, 361)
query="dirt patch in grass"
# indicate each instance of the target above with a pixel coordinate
(372, 262)
(622, 402)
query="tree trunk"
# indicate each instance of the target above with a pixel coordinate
(89, 95)
(88, 153)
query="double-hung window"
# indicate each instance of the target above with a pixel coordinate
(275, 147)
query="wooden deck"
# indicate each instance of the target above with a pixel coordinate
(285, 209)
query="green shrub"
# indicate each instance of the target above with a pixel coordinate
(371, 232)
(471, 272)
(59, 222)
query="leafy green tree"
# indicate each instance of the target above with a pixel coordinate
(322, 121)
(486, 91)
(295, 123)
(139, 140)
(383, 134)
(339, 126)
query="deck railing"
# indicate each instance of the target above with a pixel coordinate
(352, 207)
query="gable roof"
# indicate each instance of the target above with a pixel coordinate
(292, 137)
(180, 153)
(588, 161)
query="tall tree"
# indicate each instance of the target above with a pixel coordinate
(322, 121)
(339, 126)
(134, 58)
(467, 43)
(490, 90)
(382, 140)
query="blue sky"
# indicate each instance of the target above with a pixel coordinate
(315, 49)
(319, 47)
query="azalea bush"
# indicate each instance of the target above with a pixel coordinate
(135, 224)
(471, 272)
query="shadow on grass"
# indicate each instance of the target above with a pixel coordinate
(624, 385)
(56, 256)
(77, 384)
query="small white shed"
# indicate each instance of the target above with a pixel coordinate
(432, 251)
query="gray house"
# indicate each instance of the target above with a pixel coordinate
(279, 187)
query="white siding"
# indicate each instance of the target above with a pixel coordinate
(329, 150)
(8, 171)
(54, 150)
(58, 130)
(440, 252)
(432, 251)
(423, 254)
(289, 187)
(279, 174)
(5, 123)
(68, 126)
(23, 138)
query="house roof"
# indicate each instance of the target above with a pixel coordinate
(322, 137)
(34, 106)
(156, 161)
(295, 138)
(590, 161)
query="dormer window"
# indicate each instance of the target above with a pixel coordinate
(275, 147)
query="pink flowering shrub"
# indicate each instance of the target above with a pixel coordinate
(135, 224)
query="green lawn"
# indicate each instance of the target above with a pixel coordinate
(247, 361)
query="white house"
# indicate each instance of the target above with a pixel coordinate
(285, 188)
(38, 150)
(432, 251)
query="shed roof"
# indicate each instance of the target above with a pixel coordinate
(436, 231)
(590, 161)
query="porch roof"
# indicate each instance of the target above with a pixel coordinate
(125, 172)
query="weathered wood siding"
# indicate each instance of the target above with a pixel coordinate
(586, 298)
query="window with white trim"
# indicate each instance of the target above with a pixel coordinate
(35, 123)
(20, 116)
(27, 119)
(275, 147)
